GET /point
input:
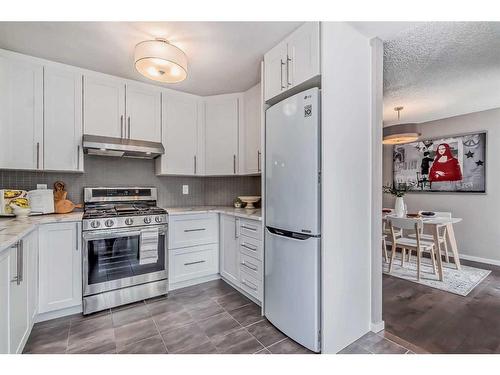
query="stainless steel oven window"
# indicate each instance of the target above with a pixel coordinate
(139, 274)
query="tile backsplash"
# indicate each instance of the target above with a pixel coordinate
(107, 171)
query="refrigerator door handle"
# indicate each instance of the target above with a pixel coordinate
(289, 234)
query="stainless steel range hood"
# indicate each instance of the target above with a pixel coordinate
(127, 148)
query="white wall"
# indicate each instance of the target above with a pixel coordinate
(346, 185)
(478, 235)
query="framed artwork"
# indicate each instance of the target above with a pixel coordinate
(448, 164)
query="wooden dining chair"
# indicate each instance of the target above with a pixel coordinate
(410, 244)
(384, 248)
(442, 241)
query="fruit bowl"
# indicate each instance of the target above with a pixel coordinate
(249, 200)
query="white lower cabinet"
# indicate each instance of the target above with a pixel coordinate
(4, 300)
(60, 266)
(18, 297)
(193, 262)
(229, 259)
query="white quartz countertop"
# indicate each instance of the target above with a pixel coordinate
(12, 229)
(253, 214)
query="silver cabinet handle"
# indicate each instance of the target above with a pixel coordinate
(236, 228)
(121, 126)
(18, 278)
(249, 228)
(76, 237)
(252, 267)
(258, 161)
(195, 164)
(234, 164)
(38, 155)
(288, 60)
(128, 127)
(21, 261)
(78, 157)
(197, 262)
(281, 74)
(246, 246)
(194, 230)
(250, 285)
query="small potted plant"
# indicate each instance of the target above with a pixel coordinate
(399, 192)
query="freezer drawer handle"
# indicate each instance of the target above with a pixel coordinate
(194, 230)
(249, 284)
(197, 262)
(246, 246)
(249, 228)
(253, 268)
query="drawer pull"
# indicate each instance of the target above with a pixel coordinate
(250, 285)
(197, 262)
(252, 267)
(248, 247)
(249, 228)
(194, 230)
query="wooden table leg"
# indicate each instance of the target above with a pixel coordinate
(439, 260)
(453, 243)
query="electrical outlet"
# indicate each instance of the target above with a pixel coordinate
(41, 186)
(185, 189)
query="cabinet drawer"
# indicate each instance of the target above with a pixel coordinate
(250, 228)
(191, 263)
(251, 285)
(251, 247)
(251, 266)
(192, 230)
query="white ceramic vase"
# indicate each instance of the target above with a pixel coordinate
(399, 208)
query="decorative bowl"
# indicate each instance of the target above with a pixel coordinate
(249, 200)
(20, 212)
(427, 213)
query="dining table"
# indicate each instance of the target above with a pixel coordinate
(434, 224)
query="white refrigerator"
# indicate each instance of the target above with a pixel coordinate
(292, 218)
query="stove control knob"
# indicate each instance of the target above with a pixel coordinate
(147, 220)
(129, 221)
(158, 219)
(109, 223)
(95, 224)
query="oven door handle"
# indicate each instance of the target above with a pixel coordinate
(103, 234)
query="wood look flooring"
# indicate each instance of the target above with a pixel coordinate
(442, 322)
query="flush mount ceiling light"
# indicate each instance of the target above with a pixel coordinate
(402, 133)
(160, 61)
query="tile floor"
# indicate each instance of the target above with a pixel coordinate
(208, 318)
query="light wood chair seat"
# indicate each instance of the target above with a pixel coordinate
(411, 243)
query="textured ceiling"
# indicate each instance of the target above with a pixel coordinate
(223, 57)
(442, 69)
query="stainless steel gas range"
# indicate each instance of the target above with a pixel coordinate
(124, 247)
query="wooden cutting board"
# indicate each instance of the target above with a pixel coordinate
(65, 206)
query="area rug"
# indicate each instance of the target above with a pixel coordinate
(458, 282)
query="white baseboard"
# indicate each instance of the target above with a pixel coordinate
(200, 280)
(42, 317)
(493, 262)
(250, 297)
(377, 326)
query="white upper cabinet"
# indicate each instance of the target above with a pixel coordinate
(221, 134)
(250, 136)
(21, 113)
(60, 266)
(104, 106)
(143, 110)
(62, 119)
(294, 61)
(180, 117)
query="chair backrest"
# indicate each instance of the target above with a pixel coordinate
(439, 214)
(406, 223)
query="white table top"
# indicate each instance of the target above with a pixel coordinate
(432, 220)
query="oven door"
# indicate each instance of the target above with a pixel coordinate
(111, 259)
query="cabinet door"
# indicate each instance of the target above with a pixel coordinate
(229, 253)
(60, 266)
(62, 120)
(104, 106)
(143, 110)
(31, 245)
(252, 130)
(180, 136)
(303, 54)
(221, 136)
(275, 71)
(18, 301)
(4, 301)
(21, 114)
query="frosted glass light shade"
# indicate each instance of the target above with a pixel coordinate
(160, 61)
(400, 134)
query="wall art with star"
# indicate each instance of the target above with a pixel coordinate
(448, 164)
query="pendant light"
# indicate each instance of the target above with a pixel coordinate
(401, 133)
(160, 61)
